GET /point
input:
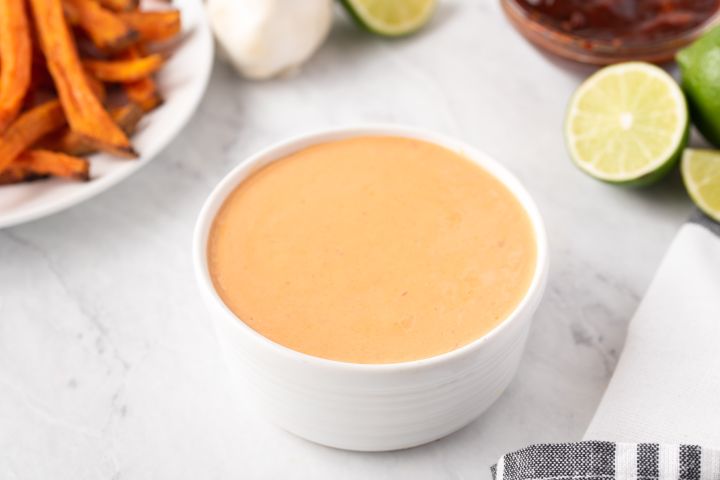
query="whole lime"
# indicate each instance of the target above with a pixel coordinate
(700, 69)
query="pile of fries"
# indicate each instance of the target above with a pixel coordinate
(76, 77)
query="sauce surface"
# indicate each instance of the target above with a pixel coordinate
(372, 250)
(622, 20)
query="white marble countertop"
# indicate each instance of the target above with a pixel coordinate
(108, 365)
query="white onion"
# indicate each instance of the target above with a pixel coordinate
(265, 38)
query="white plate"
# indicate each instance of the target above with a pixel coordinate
(182, 82)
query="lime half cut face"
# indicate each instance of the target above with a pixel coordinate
(627, 124)
(391, 18)
(701, 175)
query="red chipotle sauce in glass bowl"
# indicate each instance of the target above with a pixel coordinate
(608, 31)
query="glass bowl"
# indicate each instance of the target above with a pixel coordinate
(600, 51)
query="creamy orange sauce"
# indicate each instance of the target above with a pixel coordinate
(372, 250)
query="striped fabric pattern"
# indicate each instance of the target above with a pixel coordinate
(609, 461)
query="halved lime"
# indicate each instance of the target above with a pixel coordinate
(391, 18)
(627, 124)
(701, 174)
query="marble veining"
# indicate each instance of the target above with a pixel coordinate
(109, 368)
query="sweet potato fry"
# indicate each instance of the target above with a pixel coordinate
(143, 92)
(153, 26)
(105, 29)
(126, 116)
(14, 174)
(28, 129)
(124, 70)
(16, 54)
(120, 5)
(96, 86)
(83, 110)
(68, 142)
(35, 164)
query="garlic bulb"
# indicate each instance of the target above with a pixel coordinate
(265, 38)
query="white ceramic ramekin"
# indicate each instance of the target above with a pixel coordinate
(369, 407)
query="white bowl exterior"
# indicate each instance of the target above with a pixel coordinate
(372, 410)
(369, 407)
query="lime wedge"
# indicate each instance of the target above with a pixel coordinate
(701, 174)
(627, 124)
(391, 18)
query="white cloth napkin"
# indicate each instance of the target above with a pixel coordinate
(660, 416)
(666, 387)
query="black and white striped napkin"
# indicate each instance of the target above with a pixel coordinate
(663, 401)
(609, 460)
